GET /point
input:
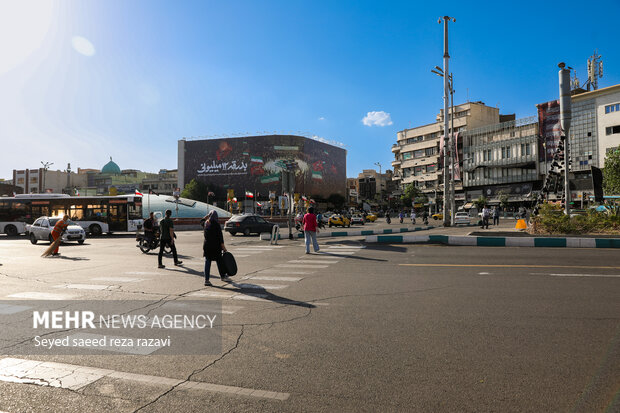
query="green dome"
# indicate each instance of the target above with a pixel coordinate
(111, 168)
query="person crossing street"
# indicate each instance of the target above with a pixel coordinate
(166, 227)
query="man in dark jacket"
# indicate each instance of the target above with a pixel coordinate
(213, 246)
(166, 227)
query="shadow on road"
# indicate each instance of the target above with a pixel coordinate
(353, 257)
(261, 292)
(384, 247)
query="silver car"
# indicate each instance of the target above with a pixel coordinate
(41, 230)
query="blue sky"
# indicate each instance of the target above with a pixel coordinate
(82, 81)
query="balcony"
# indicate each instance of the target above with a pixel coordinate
(396, 163)
(395, 148)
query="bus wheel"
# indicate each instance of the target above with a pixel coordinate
(10, 230)
(95, 229)
(33, 239)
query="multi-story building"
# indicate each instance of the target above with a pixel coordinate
(502, 159)
(372, 184)
(352, 191)
(164, 184)
(417, 149)
(40, 180)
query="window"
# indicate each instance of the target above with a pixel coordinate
(407, 155)
(503, 152)
(419, 153)
(430, 151)
(612, 108)
(431, 168)
(419, 170)
(528, 149)
(484, 155)
(612, 130)
(507, 151)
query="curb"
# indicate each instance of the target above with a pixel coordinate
(498, 241)
(325, 234)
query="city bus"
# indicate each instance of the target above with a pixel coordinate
(96, 214)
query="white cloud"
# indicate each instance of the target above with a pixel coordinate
(322, 118)
(83, 46)
(379, 118)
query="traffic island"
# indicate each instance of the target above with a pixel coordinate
(478, 241)
(347, 233)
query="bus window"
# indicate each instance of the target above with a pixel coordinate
(118, 217)
(76, 213)
(135, 210)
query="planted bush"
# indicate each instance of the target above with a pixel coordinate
(552, 220)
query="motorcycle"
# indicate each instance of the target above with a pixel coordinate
(147, 245)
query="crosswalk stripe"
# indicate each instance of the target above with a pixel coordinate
(313, 261)
(75, 377)
(307, 266)
(261, 286)
(346, 246)
(35, 295)
(337, 252)
(270, 271)
(118, 279)
(257, 297)
(241, 256)
(84, 286)
(271, 278)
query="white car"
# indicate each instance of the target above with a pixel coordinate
(357, 219)
(461, 218)
(41, 230)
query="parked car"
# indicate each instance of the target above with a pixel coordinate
(461, 218)
(357, 219)
(41, 230)
(437, 216)
(248, 224)
(339, 221)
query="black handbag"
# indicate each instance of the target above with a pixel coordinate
(229, 263)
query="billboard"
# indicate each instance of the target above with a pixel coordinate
(550, 129)
(255, 163)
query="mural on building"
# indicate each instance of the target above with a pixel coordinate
(256, 163)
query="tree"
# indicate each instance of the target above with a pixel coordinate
(503, 199)
(480, 202)
(198, 191)
(413, 194)
(611, 173)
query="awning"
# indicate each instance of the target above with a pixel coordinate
(468, 205)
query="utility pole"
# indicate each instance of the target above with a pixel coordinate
(453, 153)
(46, 166)
(565, 120)
(447, 150)
(379, 165)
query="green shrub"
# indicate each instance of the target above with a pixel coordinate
(552, 220)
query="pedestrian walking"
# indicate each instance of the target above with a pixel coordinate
(486, 214)
(401, 216)
(166, 228)
(213, 246)
(495, 216)
(310, 223)
(412, 217)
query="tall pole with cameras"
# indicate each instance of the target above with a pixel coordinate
(447, 143)
(46, 166)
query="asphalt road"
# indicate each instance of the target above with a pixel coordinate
(359, 328)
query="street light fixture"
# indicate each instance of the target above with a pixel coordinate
(46, 166)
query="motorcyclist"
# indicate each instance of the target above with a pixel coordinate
(401, 216)
(425, 217)
(149, 228)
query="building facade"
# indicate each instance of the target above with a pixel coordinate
(164, 184)
(36, 181)
(502, 159)
(417, 150)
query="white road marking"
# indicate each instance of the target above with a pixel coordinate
(35, 295)
(314, 261)
(249, 297)
(118, 279)
(12, 309)
(484, 273)
(577, 275)
(84, 286)
(266, 247)
(141, 273)
(241, 256)
(75, 377)
(347, 246)
(337, 252)
(269, 271)
(301, 266)
(250, 249)
(268, 278)
(260, 286)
